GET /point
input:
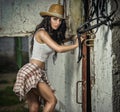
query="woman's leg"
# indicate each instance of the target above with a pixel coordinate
(46, 92)
(33, 101)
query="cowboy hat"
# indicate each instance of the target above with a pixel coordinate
(56, 10)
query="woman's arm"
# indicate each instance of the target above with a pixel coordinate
(70, 38)
(43, 35)
(74, 37)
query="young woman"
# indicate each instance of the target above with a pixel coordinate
(31, 82)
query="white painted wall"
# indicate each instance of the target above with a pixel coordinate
(63, 76)
(102, 89)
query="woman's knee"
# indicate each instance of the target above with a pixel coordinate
(53, 100)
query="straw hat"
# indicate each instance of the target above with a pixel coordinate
(56, 10)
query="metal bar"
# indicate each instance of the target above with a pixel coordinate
(18, 48)
(84, 79)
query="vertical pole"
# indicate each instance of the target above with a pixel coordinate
(18, 48)
(88, 80)
(84, 79)
(86, 68)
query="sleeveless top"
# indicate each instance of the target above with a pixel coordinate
(40, 51)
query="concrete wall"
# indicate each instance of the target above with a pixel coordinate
(102, 88)
(116, 59)
(19, 18)
(105, 69)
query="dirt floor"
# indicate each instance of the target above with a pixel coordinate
(7, 80)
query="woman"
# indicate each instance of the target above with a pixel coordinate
(31, 82)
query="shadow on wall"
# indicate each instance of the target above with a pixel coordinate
(11, 53)
(7, 65)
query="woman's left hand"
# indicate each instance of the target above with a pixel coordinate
(82, 38)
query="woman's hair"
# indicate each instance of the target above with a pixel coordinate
(57, 35)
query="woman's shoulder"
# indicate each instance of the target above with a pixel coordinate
(40, 34)
(40, 29)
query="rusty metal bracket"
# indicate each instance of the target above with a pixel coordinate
(89, 42)
(77, 83)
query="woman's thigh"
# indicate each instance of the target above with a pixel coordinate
(46, 92)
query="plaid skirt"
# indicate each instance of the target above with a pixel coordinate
(27, 78)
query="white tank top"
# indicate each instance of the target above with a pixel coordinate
(41, 52)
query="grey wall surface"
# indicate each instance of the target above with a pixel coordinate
(19, 18)
(116, 59)
(102, 89)
(7, 47)
(105, 69)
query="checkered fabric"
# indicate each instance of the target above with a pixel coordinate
(28, 77)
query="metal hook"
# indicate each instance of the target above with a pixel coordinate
(89, 42)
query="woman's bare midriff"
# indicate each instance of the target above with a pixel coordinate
(39, 63)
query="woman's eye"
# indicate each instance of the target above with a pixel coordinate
(55, 18)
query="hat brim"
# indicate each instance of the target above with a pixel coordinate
(51, 14)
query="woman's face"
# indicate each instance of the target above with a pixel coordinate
(55, 22)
